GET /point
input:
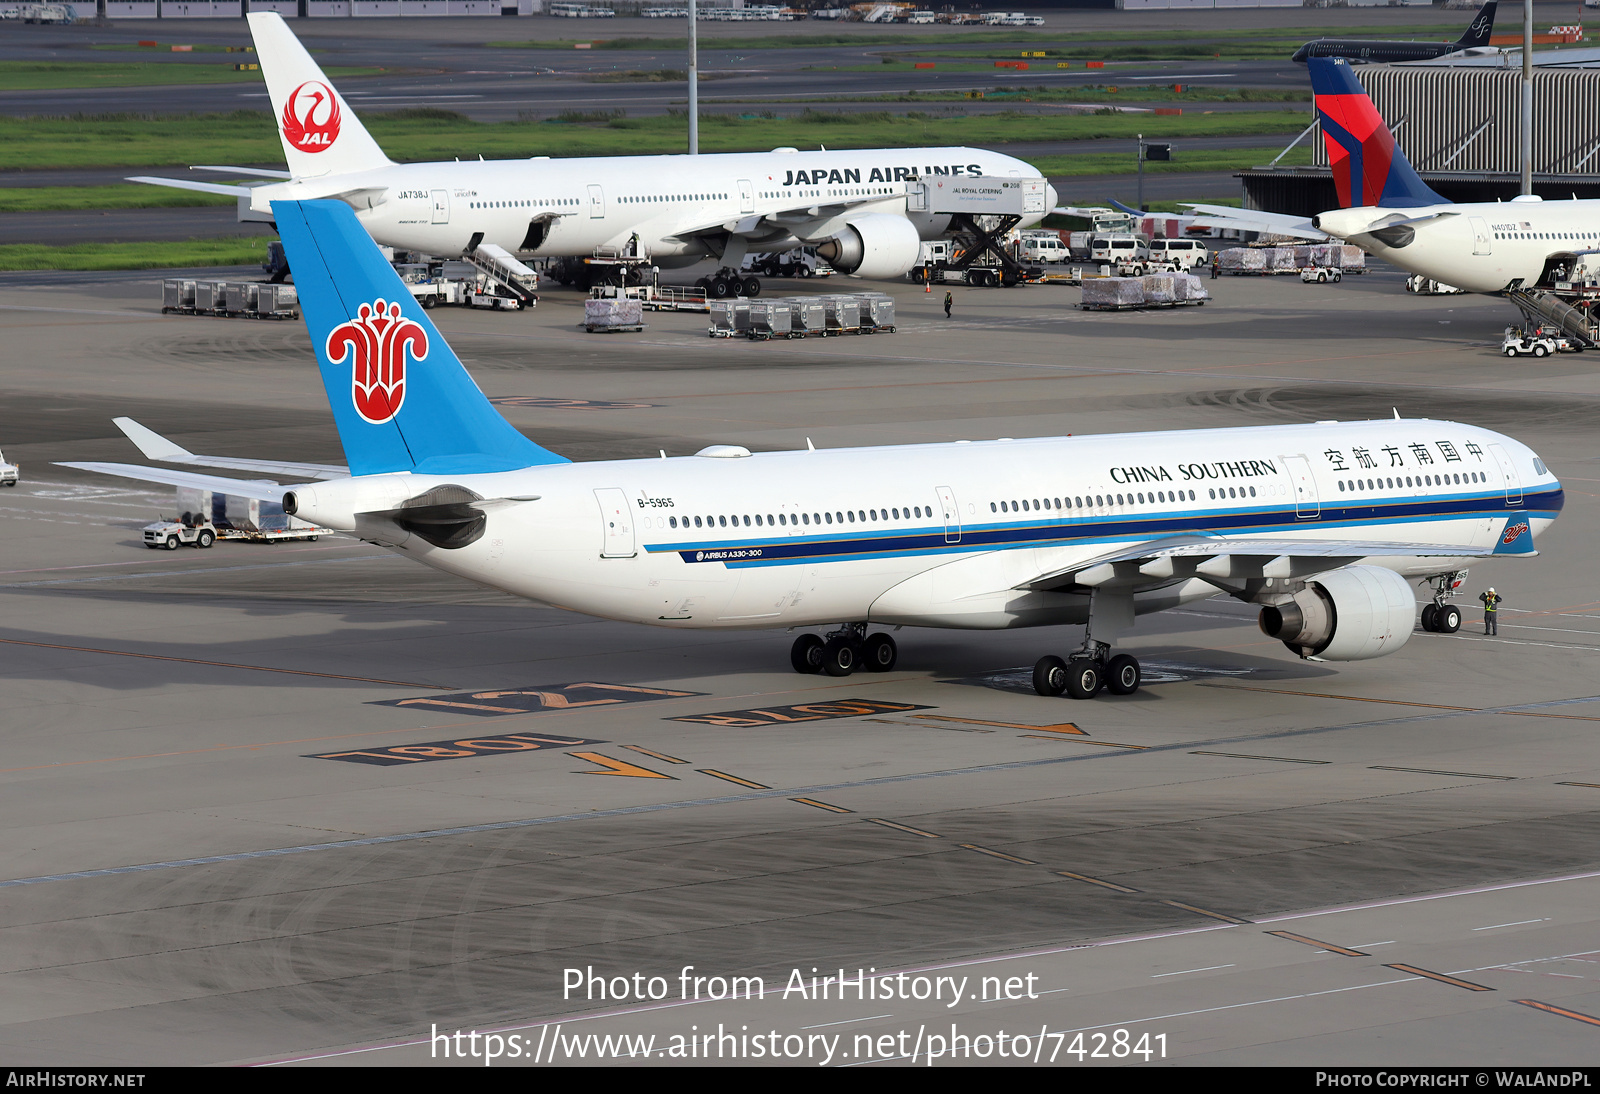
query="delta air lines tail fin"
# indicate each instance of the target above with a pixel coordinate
(321, 135)
(1368, 167)
(400, 396)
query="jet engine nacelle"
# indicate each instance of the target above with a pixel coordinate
(874, 245)
(1349, 614)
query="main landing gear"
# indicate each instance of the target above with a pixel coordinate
(844, 651)
(1441, 617)
(725, 283)
(1089, 670)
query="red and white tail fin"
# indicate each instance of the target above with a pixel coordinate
(321, 134)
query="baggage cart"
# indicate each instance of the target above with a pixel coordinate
(877, 312)
(769, 319)
(807, 316)
(842, 314)
(177, 294)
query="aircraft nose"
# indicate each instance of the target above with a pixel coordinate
(1051, 199)
(1301, 54)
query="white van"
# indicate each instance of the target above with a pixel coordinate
(1044, 247)
(1184, 254)
(1119, 250)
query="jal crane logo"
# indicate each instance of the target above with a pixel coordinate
(375, 343)
(311, 117)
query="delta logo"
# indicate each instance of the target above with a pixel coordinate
(374, 343)
(311, 117)
(1513, 532)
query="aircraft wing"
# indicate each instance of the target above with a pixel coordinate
(1254, 220)
(156, 447)
(258, 488)
(254, 172)
(1157, 562)
(782, 222)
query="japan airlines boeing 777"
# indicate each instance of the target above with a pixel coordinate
(1324, 526)
(676, 210)
(1389, 212)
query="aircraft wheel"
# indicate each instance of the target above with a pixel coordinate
(172, 543)
(1449, 621)
(205, 539)
(752, 287)
(1123, 675)
(720, 289)
(1083, 678)
(806, 654)
(881, 653)
(1430, 617)
(838, 657)
(1050, 676)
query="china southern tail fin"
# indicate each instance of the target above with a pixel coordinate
(321, 134)
(400, 396)
(1368, 167)
(1478, 33)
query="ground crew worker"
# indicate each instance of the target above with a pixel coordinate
(949, 298)
(1491, 605)
(1216, 265)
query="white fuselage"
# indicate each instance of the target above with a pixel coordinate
(1481, 247)
(678, 207)
(945, 535)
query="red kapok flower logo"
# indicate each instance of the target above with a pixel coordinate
(375, 343)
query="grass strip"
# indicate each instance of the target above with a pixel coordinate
(61, 75)
(429, 134)
(223, 251)
(129, 195)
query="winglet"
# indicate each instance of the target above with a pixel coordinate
(152, 444)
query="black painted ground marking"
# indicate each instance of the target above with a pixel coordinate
(919, 725)
(1576, 1016)
(903, 827)
(621, 768)
(715, 774)
(462, 749)
(1452, 774)
(1329, 946)
(1439, 976)
(1202, 911)
(997, 854)
(1409, 703)
(221, 664)
(553, 403)
(1096, 881)
(804, 712)
(822, 805)
(537, 697)
(1246, 756)
(1595, 785)
(657, 755)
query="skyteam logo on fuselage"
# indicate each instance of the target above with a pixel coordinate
(311, 117)
(375, 342)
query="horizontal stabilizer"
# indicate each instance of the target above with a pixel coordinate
(260, 489)
(156, 447)
(189, 184)
(254, 172)
(1255, 220)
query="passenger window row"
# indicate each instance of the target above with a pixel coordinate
(788, 520)
(1091, 502)
(1401, 483)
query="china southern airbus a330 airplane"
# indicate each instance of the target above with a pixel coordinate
(675, 210)
(1389, 212)
(1325, 526)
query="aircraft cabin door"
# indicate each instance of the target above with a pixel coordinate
(1482, 240)
(441, 206)
(747, 197)
(952, 515)
(597, 202)
(617, 521)
(1508, 471)
(1307, 504)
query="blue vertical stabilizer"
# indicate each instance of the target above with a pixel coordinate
(400, 396)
